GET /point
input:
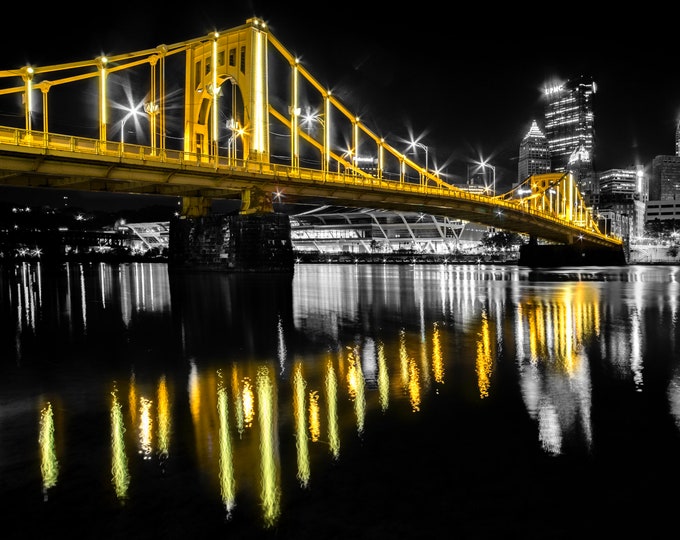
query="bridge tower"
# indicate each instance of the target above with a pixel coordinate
(258, 239)
(237, 57)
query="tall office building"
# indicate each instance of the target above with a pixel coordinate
(677, 139)
(665, 180)
(534, 154)
(569, 125)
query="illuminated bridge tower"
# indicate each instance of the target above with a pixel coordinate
(257, 238)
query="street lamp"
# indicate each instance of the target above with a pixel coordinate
(484, 165)
(236, 130)
(421, 145)
(130, 112)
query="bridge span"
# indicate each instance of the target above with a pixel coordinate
(237, 142)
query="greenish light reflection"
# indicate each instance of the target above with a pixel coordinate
(49, 466)
(119, 463)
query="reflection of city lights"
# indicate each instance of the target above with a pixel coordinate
(145, 427)
(226, 465)
(248, 401)
(484, 359)
(383, 378)
(314, 416)
(332, 400)
(414, 385)
(301, 441)
(163, 418)
(119, 465)
(238, 403)
(437, 360)
(355, 382)
(49, 466)
(269, 481)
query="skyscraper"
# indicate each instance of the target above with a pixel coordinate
(569, 125)
(534, 154)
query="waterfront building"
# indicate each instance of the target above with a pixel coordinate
(330, 230)
(534, 154)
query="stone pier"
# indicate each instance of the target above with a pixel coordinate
(232, 243)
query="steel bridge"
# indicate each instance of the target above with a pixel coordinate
(235, 115)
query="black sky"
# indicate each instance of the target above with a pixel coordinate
(468, 81)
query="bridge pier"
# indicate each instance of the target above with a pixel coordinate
(551, 255)
(255, 240)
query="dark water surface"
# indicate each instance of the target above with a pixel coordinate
(349, 401)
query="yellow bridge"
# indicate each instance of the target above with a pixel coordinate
(235, 115)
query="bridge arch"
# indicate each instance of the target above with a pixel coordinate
(237, 56)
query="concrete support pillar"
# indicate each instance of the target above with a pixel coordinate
(258, 242)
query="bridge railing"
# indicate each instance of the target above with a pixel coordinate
(133, 152)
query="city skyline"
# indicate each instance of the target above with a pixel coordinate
(395, 71)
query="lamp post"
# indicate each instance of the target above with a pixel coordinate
(130, 112)
(484, 165)
(236, 130)
(421, 145)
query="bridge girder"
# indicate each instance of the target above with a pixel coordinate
(61, 170)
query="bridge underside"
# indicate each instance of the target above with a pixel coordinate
(198, 184)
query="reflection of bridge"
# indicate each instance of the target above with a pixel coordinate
(185, 154)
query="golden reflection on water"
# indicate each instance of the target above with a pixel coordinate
(119, 463)
(383, 378)
(269, 452)
(552, 327)
(437, 358)
(145, 427)
(332, 412)
(356, 388)
(299, 410)
(551, 334)
(226, 458)
(49, 466)
(238, 402)
(314, 416)
(484, 362)
(163, 418)
(247, 402)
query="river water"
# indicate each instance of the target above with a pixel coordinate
(346, 401)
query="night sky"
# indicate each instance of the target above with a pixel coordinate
(467, 85)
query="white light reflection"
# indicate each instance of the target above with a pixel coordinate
(281, 345)
(83, 298)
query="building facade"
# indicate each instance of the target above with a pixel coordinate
(534, 154)
(569, 125)
(664, 183)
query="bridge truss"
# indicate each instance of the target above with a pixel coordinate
(222, 125)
